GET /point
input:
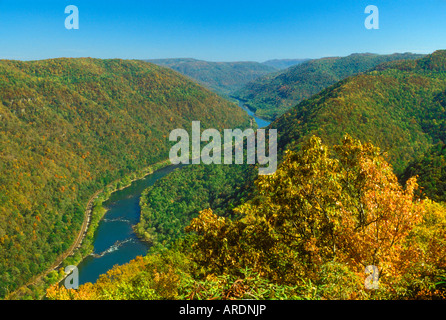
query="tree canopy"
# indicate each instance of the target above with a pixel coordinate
(310, 232)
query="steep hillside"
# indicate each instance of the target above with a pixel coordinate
(270, 96)
(221, 77)
(398, 107)
(431, 170)
(332, 208)
(70, 126)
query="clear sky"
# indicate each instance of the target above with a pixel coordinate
(218, 30)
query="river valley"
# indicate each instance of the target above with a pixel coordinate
(115, 242)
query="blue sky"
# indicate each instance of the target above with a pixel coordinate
(217, 30)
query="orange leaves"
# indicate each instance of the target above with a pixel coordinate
(61, 293)
(377, 213)
(84, 156)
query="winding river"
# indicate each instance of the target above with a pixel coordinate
(115, 242)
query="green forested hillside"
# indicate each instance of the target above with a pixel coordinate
(398, 107)
(70, 126)
(431, 170)
(172, 202)
(270, 96)
(334, 206)
(221, 77)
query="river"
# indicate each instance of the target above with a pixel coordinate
(115, 243)
(261, 123)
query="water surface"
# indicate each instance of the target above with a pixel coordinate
(115, 243)
(261, 123)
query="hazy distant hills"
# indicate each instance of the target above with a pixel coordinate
(221, 77)
(273, 94)
(70, 126)
(284, 63)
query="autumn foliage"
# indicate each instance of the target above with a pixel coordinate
(324, 208)
(68, 128)
(315, 225)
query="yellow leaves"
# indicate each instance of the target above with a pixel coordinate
(206, 221)
(430, 235)
(4, 238)
(343, 203)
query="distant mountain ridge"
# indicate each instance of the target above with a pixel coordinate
(284, 63)
(398, 106)
(221, 77)
(273, 94)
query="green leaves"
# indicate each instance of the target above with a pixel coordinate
(274, 94)
(169, 206)
(68, 127)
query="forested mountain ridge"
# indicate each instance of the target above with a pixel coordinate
(221, 77)
(272, 95)
(70, 126)
(333, 206)
(388, 106)
(398, 106)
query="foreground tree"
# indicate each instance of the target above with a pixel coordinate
(323, 208)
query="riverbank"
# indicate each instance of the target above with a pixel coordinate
(82, 246)
(261, 123)
(98, 211)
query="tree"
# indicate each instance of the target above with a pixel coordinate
(323, 205)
